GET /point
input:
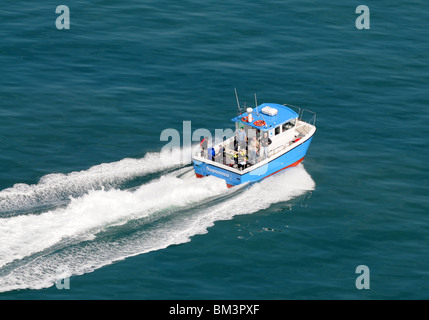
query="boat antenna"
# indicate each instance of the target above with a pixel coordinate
(256, 105)
(236, 96)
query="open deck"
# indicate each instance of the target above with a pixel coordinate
(229, 156)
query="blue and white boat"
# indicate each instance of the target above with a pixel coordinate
(267, 140)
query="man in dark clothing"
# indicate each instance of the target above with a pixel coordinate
(203, 145)
(265, 142)
(241, 138)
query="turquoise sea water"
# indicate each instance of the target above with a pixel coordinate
(84, 193)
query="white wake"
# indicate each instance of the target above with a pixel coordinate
(165, 211)
(57, 187)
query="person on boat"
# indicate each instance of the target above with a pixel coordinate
(234, 159)
(203, 145)
(212, 154)
(242, 159)
(265, 142)
(253, 148)
(219, 154)
(223, 154)
(241, 137)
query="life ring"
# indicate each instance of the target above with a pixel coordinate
(259, 123)
(244, 119)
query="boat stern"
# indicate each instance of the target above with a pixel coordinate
(203, 169)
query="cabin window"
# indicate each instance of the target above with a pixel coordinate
(277, 130)
(285, 126)
(288, 125)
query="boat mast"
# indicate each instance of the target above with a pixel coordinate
(238, 103)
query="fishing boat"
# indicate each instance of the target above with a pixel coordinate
(268, 139)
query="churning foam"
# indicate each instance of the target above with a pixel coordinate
(54, 188)
(34, 247)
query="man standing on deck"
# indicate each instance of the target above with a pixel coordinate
(204, 145)
(253, 148)
(241, 137)
(265, 142)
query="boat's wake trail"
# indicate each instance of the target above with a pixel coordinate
(57, 188)
(102, 225)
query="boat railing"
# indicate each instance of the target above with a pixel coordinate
(227, 145)
(295, 108)
(307, 120)
(311, 119)
(304, 115)
(276, 150)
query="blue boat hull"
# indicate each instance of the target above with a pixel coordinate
(289, 159)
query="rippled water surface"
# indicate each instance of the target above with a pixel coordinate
(86, 192)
